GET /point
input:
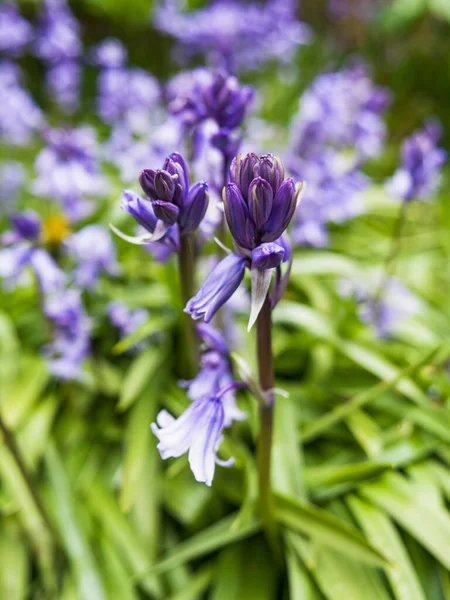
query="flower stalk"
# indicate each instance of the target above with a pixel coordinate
(264, 450)
(186, 267)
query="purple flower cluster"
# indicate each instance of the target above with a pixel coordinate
(15, 31)
(58, 44)
(68, 170)
(71, 342)
(418, 176)
(382, 309)
(212, 97)
(125, 95)
(173, 205)
(338, 127)
(235, 36)
(94, 252)
(127, 321)
(21, 249)
(20, 117)
(198, 430)
(12, 180)
(259, 205)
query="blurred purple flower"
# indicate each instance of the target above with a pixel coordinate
(109, 53)
(71, 343)
(12, 180)
(57, 33)
(64, 80)
(127, 321)
(235, 36)
(21, 250)
(68, 170)
(127, 95)
(15, 31)
(382, 309)
(419, 175)
(20, 117)
(94, 252)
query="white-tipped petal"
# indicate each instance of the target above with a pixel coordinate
(160, 231)
(260, 286)
(300, 191)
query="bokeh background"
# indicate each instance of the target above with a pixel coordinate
(88, 510)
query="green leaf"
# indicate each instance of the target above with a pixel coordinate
(324, 263)
(196, 586)
(396, 496)
(324, 528)
(89, 582)
(209, 540)
(117, 578)
(155, 325)
(318, 426)
(338, 577)
(300, 583)
(286, 453)
(139, 374)
(384, 536)
(335, 474)
(14, 572)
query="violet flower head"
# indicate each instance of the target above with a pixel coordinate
(71, 343)
(15, 31)
(109, 53)
(127, 95)
(12, 180)
(235, 36)
(126, 320)
(64, 80)
(418, 176)
(94, 252)
(68, 170)
(20, 117)
(22, 250)
(171, 201)
(259, 204)
(198, 431)
(57, 34)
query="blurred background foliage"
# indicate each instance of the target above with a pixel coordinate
(362, 445)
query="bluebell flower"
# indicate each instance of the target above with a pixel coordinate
(71, 344)
(22, 250)
(109, 53)
(198, 431)
(258, 211)
(94, 252)
(20, 117)
(68, 170)
(418, 176)
(171, 201)
(12, 181)
(57, 34)
(235, 36)
(126, 320)
(15, 31)
(64, 81)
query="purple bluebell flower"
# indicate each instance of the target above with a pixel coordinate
(64, 80)
(235, 36)
(12, 180)
(94, 252)
(71, 343)
(22, 250)
(257, 211)
(109, 53)
(126, 320)
(171, 201)
(15, 31)
(198, 431)
(217, 288)
(418, 176)
(127, 95)
(57, 33)
(383, 309)
(68, 170)
(20, 117)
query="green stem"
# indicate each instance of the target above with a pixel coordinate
(186, 265)
(264, 450)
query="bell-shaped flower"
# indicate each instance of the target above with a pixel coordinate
(218, 287)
